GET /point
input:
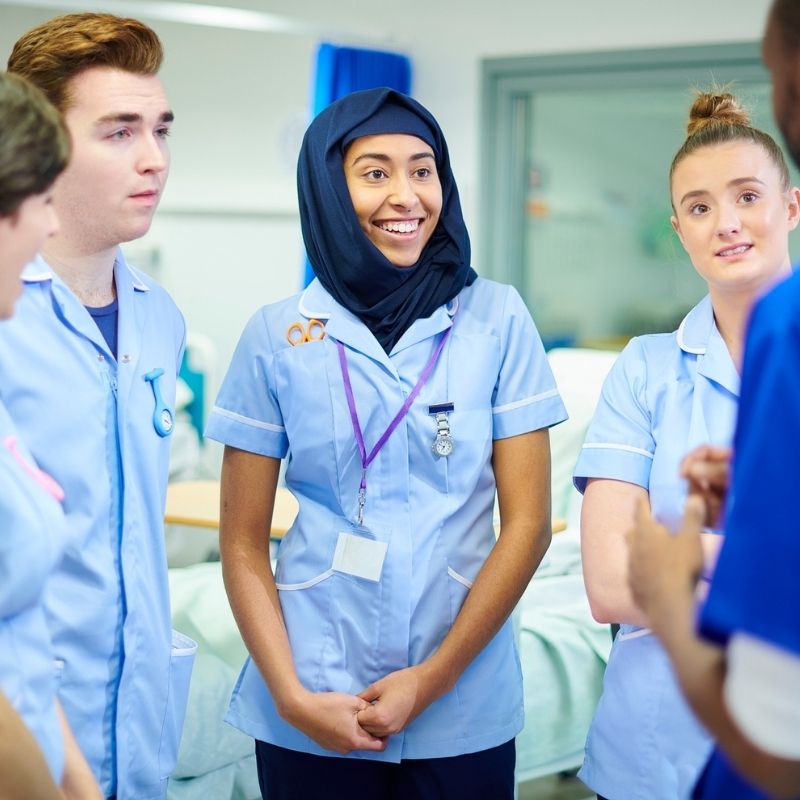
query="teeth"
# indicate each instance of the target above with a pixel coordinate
(400, 227)
(736, 251)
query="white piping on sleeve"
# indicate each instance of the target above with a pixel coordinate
(526, 401)
(611, 446)
(253, 423)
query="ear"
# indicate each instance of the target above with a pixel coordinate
(793, 207)
(673, 220)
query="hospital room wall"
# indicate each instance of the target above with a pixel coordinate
(226, 239)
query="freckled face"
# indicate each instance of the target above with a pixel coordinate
(733, 215)
(396, 193)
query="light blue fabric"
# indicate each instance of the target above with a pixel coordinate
(434, 514)
(88, 420)
(32, 537)
(666, 394)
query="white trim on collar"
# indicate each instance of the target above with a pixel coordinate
(699, 351)
(697, 326)
(38, 271)
(136, 279)
(308, 314)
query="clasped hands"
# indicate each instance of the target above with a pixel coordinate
(664, 566)
(343, 722)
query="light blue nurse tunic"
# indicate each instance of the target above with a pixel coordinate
(32, 538)
(434, 515)
(666, 394)
(88, 420)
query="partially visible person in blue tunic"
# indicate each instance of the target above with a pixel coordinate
(742, 677)
(93, 399)
(41, 753)
(404, 391)
(733, 210)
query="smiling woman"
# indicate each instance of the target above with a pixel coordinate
(382, 653)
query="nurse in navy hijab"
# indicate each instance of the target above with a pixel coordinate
(399, 190)
(404, 392)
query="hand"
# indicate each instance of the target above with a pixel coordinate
(329, 718)
(707, 469)
(77, 780)
(395, 701)
(663, 568)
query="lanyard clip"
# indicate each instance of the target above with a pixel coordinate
(362, 497)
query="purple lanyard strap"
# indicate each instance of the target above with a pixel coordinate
(366, 460)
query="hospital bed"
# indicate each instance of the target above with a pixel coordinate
(563, 651)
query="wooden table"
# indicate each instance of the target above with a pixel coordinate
(197, 503)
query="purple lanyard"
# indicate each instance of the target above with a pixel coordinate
(366, 460)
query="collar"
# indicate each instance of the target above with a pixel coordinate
(698, 335)
(316, 302)
(696, 328)
(39, 270)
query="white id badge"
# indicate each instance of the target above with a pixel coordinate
(359, 556)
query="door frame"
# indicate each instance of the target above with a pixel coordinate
(507, 88)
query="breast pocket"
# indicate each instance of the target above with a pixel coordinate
(466, 378)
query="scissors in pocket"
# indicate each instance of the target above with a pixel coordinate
(313, 331)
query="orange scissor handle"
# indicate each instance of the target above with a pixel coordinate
(315, 331)
(296, 335)
(312, 331)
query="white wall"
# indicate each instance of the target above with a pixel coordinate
(227, 231)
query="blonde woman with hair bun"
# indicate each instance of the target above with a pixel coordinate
(733, 209)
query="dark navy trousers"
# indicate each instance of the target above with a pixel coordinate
(290, 775)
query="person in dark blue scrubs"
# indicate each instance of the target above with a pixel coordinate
(742, 677)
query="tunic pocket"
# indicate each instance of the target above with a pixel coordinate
(333, 619)
(180, 672)
(459, 587)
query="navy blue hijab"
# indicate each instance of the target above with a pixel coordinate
(386, 298)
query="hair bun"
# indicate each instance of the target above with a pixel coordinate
(715, 108)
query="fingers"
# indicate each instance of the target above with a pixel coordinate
(370, 694)
(694, 514)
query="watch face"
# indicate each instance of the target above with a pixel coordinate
(166, 420)
(443, 445)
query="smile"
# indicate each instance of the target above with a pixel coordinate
(404, 226)
(735, 251)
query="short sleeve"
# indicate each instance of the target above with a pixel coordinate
(619, 443)
(525, 397)
(756, 679)
(246, 414)
(755, 585)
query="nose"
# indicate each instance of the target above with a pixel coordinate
(728, 222)
(403, 195)
(153, 154)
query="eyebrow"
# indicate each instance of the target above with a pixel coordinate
(167, 116)
(735, 182)
(386, 159)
